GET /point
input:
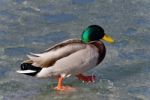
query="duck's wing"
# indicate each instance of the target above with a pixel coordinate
(64, 43)
(55, 53)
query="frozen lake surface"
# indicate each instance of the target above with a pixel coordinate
(34, 25)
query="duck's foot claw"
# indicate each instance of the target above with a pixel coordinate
(65, 88)
(86, 79)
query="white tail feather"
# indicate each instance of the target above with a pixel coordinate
(25, 71)
(35, 54)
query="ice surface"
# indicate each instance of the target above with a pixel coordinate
(32, 26)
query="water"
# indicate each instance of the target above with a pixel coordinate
(32, 26)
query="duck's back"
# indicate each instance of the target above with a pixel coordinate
(50, 56)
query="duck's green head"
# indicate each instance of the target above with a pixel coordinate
(95, 33)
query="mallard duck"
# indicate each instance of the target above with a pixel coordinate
(70, 57)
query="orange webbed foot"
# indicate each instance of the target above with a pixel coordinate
(86, 79)
(61, 87)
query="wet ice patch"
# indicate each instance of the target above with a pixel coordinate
(48, 38)
(3, 34)
(142, 21)
(82, 1)
(30, 10)
(3, 71)
(17, 51)
(19, 1)
(48, 19)
(131, 31)
(58, 18)
(126, 55)
(103, 86)
(46, 8)
(140, 93)
(8, 15)
(121, 43)
(5, 42)
(18, 89)
(139, 90)
(10, 86)
(134, 54)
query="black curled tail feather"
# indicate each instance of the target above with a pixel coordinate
(28, 66)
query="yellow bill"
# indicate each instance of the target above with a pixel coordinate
(108, 39)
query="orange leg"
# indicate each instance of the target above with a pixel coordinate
(86, 79)
(60, 86)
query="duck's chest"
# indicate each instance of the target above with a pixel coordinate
(101, 50)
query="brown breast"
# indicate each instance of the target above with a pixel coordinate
(101, 50)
